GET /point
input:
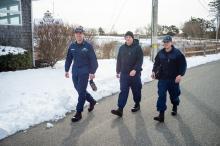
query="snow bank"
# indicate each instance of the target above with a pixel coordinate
(4, 50)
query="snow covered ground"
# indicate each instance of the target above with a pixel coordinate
(33, 96)
(4, 50)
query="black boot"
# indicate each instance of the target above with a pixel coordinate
(118, 112)
(136, 107)
(174, 110)
(160, 118)
(77, 117)
(91, 106)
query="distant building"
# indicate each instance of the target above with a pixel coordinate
(16, 23)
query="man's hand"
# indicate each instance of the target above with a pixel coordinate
(132, 73)
(118, 75)
(178, 79)
(153, 75)
(91, 76)
(67, 75)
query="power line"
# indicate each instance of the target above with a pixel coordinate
(117, 17)
(206, 1)
(203, 5)
(207, 4)
(119, 14)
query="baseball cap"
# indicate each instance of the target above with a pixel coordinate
(79, 29)
(167, 39)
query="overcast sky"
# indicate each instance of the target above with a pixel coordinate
(122, 14)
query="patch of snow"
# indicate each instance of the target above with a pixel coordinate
(3, 133)
(5, 50)
(49, 125)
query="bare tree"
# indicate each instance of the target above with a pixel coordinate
(140, 30)
(52, 40)
(101, 31)
(198, 27)
(108, 50)
(90, 34)
(148, 30)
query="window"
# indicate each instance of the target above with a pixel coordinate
(10, 12)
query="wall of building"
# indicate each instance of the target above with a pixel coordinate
(19, 35)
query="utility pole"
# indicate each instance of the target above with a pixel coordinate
(217, 28)
(32, 36)
(154, 24)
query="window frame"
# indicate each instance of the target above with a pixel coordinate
(19, 13)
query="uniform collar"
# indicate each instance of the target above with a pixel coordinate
(170, 50)
(135, 42)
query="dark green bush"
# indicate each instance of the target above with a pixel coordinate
(11, 62)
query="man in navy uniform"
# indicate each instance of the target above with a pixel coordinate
(169, 67)
(129, 67)
(84, 66)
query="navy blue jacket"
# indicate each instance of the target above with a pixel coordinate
(171, 63)
(129, 58)
(83, 58)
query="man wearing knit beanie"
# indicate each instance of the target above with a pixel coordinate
(128, 69)
(129, 33)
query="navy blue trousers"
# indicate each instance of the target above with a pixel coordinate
(80, 82)
(127, 82)
(174, 92)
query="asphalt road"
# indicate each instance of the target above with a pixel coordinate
(197, 122)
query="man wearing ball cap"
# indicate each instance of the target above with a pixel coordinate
(169, 67)
(84, 66)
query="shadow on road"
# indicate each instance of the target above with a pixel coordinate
(187, 134)
(168, 135)
(210, 113)
(77, 130)
(141, 134)
(126, 137)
